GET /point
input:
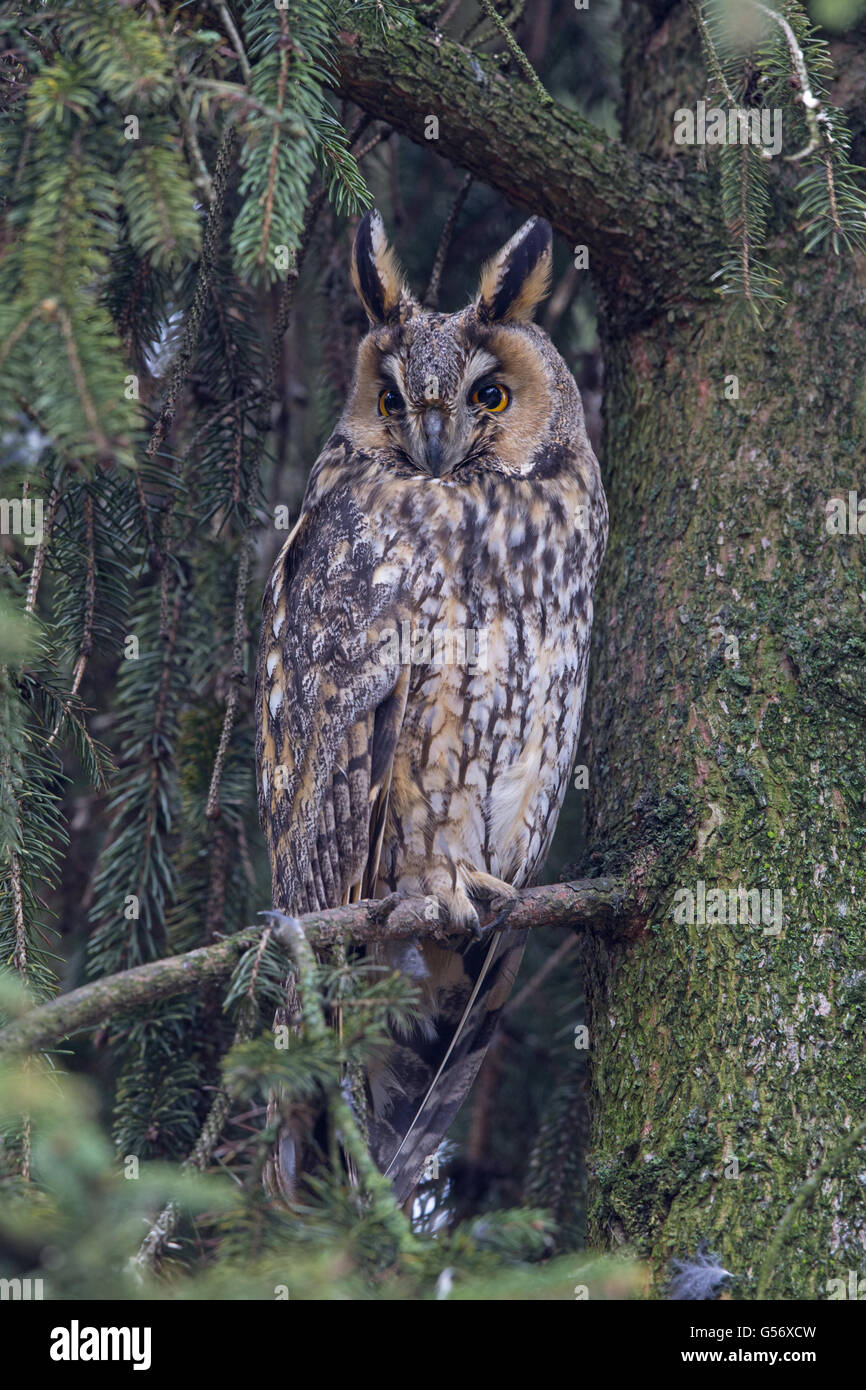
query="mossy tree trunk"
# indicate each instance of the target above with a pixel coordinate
(726, 725)
(727, 731)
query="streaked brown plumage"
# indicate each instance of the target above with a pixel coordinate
(423, 663)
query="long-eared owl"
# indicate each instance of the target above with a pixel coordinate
(423, 656)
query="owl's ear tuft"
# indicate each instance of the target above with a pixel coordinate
(376, 273)
(518, 276)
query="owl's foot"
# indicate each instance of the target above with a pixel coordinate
(427, 914)
(495, 895)
(481, 903)
(502, 909)
(451, 908)
(482, 906)
(478, 904)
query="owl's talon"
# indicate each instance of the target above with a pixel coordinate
(502, 916)
(380, 910)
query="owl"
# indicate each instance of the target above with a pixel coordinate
(423, 661)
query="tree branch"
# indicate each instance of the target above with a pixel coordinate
(599, 904)
(652, 226)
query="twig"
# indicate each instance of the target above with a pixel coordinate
(813, 108)
(431, 298)
(42, 548)
(236, 42)
(89, 608)
(517, 53)
(384, 134)
(552, 963)
(212, 811)
(19, 955)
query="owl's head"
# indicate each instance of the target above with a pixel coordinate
(483, 386)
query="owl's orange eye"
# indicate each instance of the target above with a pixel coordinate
(493, 398)
(390, 401)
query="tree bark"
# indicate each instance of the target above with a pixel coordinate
(727, 714)
(646, 222)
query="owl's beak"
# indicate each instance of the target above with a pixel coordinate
(434, 454)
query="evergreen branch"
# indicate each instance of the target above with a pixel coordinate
(32, 831)
(90, 754)
(42, 547)
(601, 905)
(135, 861)
(203, 179)
(19, 955)
(89, 600)
(813, 110)
(371, 1181)
(21, 328)
(234, 92)
(86, 645)
(79, 376)
(193, 317)
(714, 65)
(270, 189)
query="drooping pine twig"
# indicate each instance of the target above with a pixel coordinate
(431, 297)
(193, 317)
(517, 53)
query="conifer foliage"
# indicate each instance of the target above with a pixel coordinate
(771, 60)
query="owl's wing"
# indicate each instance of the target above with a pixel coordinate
(330, 698)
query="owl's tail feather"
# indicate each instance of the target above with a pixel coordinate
(449, 1052)
(424, 1078)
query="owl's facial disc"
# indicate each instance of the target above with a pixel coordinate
(438, 435)
(439, 392)
(438, 408)
(434, 391)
